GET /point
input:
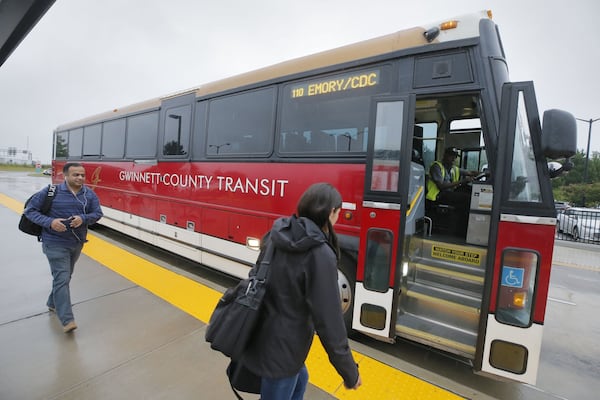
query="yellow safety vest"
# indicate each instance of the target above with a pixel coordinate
(432, 188)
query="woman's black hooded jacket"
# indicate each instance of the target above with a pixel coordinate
(302, 297)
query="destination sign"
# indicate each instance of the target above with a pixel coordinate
(338, 83)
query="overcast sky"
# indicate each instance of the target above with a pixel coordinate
(87, 56)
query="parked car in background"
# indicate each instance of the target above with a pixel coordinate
(47, 171)
(561, 205)
(579, 223)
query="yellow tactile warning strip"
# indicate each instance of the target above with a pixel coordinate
(380, 381)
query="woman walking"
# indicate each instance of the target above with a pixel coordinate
(302, 298)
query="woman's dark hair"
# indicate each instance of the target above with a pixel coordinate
(316, 204)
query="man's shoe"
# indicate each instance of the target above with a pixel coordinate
(51, 309)
(71, 326)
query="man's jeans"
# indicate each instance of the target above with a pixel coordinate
(291, 388)
(62, 263)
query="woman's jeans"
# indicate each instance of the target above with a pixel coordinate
(291, 388)
(62, 263)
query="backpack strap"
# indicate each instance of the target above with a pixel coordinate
(48, 199)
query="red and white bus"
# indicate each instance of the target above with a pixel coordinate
(204, 172)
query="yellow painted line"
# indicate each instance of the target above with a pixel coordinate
(576, 266)
(380, 381)
(414, 200)
(187, 295)
(11, 203)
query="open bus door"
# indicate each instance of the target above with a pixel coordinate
(517, 289)
(380, 251)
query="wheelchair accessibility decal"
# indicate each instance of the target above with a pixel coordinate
(512, 277)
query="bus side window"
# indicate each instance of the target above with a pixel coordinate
(330, 120)
(428, 143)
(293, 142)
(113, 138)
(142, 135)
(61, 144)
(322, 141)
(75, 143)
(242, 123)
(92, 137)
(524, 185)
(177, 131)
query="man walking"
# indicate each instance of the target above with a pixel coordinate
(64, 232)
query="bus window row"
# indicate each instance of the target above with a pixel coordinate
(328, 116)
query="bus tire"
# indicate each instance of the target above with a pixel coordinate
(346, 284)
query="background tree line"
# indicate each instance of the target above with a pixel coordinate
(570, 186)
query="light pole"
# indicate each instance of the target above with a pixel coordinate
(218, 146)
(587, 154)
(347, 135)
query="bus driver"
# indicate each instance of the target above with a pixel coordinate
(444, 178)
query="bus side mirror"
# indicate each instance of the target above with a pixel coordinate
(559, 134)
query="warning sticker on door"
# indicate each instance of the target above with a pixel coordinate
(456, 254)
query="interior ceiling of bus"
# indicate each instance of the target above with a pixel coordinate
(446, 108)
(17, 18)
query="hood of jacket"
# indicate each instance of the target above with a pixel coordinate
(296, 234)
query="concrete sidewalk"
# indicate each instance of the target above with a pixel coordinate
(130, 343)
(574, 254)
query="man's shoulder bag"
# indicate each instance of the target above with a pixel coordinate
(235, 317)
(25, 224)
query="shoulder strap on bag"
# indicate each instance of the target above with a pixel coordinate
(263, 268)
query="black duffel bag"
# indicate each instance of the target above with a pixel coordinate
(242, 379)
(235, 317)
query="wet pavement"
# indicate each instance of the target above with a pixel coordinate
(131, 344)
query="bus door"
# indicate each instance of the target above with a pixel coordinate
(516, 294)
(380, 252)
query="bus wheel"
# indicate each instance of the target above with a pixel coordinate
(346, 283)
(575, 233)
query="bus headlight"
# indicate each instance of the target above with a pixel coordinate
(253, 243)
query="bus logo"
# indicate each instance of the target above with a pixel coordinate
(95, 179)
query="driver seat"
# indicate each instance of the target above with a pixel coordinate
(444, 218)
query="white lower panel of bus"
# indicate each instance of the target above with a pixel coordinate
(222, 255)
(384, 300)
(529, 338)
